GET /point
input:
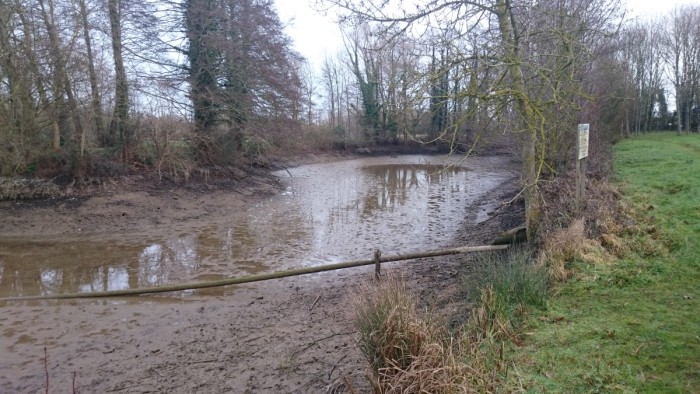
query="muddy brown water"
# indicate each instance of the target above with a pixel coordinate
(327, 213)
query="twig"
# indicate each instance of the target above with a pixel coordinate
(314, 304)
(377, 263)
(46, 369)
(74, 373)
(290, 174)
(514, 198)
(348, 384)
(253, 339)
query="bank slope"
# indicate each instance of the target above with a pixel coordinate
(630, 324)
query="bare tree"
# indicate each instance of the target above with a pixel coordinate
(641, 51)
(682, 42)
(331, 84)
(96, 101)
(339, 92)
(61, 82)
(365, 65)
(119, 127)
(542, 47)
(19, 75)
(384, 66)
(309, 90)
(241, 70)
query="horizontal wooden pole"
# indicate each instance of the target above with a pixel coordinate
(259, 277)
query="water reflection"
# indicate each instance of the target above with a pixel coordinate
(396, 183)
(90, 264)
(328, 212)
(167, 262)
(400, 205)
(87, 265)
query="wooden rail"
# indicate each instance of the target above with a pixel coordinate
(261, 277)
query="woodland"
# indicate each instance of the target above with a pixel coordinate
(98, 88)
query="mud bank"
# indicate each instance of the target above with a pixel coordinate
(288, 335)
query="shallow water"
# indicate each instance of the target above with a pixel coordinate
(328, 212)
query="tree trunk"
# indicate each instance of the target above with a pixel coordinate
(527, 115)
(92, 75)
(29, 51)
(201, 53)
(679, 122)
(119, 126)
(63, 84)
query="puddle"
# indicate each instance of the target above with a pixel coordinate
(327, 213)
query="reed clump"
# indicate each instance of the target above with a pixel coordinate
(412, 352)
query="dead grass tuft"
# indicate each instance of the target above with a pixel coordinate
(602, 211)
(560, 248)
(391, 332)
(616, 245)
(409, 353)
(599, 239)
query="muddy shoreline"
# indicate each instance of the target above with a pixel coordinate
(287, 335)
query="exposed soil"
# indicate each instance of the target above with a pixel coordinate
(291, 335)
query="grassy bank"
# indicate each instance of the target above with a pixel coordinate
(632, 323)
(609, 306)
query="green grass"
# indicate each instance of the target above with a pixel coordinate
(631, 325)
(515, 280)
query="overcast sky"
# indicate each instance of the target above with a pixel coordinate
(316, 36)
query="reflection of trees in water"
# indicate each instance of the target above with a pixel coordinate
(56, 267)
(52, 267)
(17, 279)
(264, 240)
(167, 262)
(396, 182)
(231, 244)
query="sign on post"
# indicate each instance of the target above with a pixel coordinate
(582, 145)
(583, 140)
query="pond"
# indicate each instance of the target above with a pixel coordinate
(327, 212)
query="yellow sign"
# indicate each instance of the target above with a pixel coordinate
(583, 140)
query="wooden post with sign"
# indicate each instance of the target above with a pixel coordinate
(582, 154)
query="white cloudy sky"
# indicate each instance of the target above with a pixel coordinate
(316, 35)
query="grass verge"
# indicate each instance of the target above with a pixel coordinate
(629, 321)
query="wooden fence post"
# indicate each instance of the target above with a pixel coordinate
(377, 263)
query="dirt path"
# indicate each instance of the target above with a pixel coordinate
(291, 335)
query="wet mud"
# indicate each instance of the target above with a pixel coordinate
(287, 335)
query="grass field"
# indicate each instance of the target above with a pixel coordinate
(630, 324)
